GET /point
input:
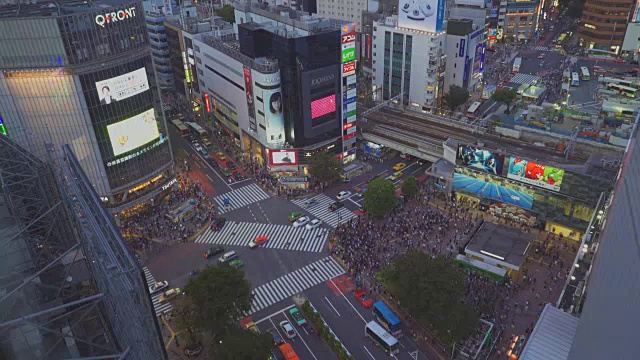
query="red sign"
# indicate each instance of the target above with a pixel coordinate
(348, 38)
(207, 102)
(348, 68)
(350, 136)
(346, 126)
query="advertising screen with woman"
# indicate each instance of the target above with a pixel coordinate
(273, 117)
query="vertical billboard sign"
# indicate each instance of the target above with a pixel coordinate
(274, 119)
(207, 102)
(248, 91)
(348, 43)
(423, 15)
(478, 60)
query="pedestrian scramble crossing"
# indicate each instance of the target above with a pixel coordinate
(240, 197)
(157, 307)
(320, 209)
(542, 48)
(294, 282)
(284, 237)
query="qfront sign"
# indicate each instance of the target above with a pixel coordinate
(114, 16)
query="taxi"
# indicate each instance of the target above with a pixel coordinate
(221, 156)
(295, 216)
(259, 241)
(397, 175)
(399, 166)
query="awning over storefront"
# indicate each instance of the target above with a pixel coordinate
(292, 180)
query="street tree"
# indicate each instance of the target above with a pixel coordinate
(324, 167)
(456, 97)
(213, 301)
(244, 344)
(505, 96)
(380, 197)
(227, 13)
(432, 290)
(410, 186)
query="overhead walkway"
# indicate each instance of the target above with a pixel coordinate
(404, 141)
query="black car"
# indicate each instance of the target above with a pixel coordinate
(238, 176)
(213, 252)
(277, 339)
(231, 165)
(335, 206)
(218, 223)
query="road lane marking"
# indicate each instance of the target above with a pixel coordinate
(367, 350)
(354, 308)
(209, 177)
(215, 172)
(333, 307)
(300, 337)
(274, 314)
(354, 201)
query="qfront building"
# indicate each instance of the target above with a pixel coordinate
(81, 73)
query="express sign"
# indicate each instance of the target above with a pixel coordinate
(114, 16)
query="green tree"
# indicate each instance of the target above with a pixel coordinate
(505, 96)
(380, 197)
(410, 186)
(432, 291)
(214, 300)
(324, 167)
(227, 13)
(455, 97)
(242, 344)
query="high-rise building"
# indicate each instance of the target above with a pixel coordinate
(465, 47)
(160, 48)
(345, 10)
(518, 20)
(408, 60)
(81, 73)
(603, 24)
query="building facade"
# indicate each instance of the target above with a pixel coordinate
(84, 76)
(409, 63)
(518, 20)
(346, 10)
(603, 24)
(465, 50)
(160, 49)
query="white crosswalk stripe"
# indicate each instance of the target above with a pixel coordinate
(542, 48)
(320, 209)
(284, 237)
(240, 197)
(294, 282)
(158, 308)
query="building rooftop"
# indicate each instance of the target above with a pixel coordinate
(506, 244)
(300, 20)
(552, 336)
(610, 314)
(53, 8)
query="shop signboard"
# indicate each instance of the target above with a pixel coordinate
(348, 95)
(534, 173)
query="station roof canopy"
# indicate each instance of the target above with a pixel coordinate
(552, 336)
(505, 245)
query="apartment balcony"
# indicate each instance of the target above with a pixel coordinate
(158, 36)
(160, 44)
(160, 52)
(161, 59)
(165, 68)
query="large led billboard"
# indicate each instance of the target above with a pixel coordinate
(133, 132)
(480, 159)
(323, 106)
(273, 116)
(534, 173)
(493, 190)
(424, 15)
(284, 157)
(123, 86)
(478, 60)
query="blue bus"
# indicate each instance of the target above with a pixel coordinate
(387, 318)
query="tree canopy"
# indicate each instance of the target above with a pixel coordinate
(242, 344)
(410, 186)
(324, 167)
(380, 197)
(432, 291)
(214, 300)
(227, 13)
(455, 97)
(505, 96)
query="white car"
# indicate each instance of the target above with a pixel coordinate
(197, 147)
(313, 224)
(343, 195)
(158, 286)
(288, 329)
(302, 221)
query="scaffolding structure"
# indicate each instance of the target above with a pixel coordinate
(69, 289)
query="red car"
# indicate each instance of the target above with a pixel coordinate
(618, 60)
(363, 299)
(258, 241)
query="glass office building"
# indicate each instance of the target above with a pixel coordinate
(81, 74)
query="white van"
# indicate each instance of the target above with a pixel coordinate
(227, 256)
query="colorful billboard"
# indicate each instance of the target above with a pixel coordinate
(134, 132)
(274, 119)
(323, 106)
(534, 173)
(478, 60)
(493, 190)
(348, 54)
(349, 68)
(283, 157)
(480, 159)
(423, 15)
(123, 86)
(248, 91)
